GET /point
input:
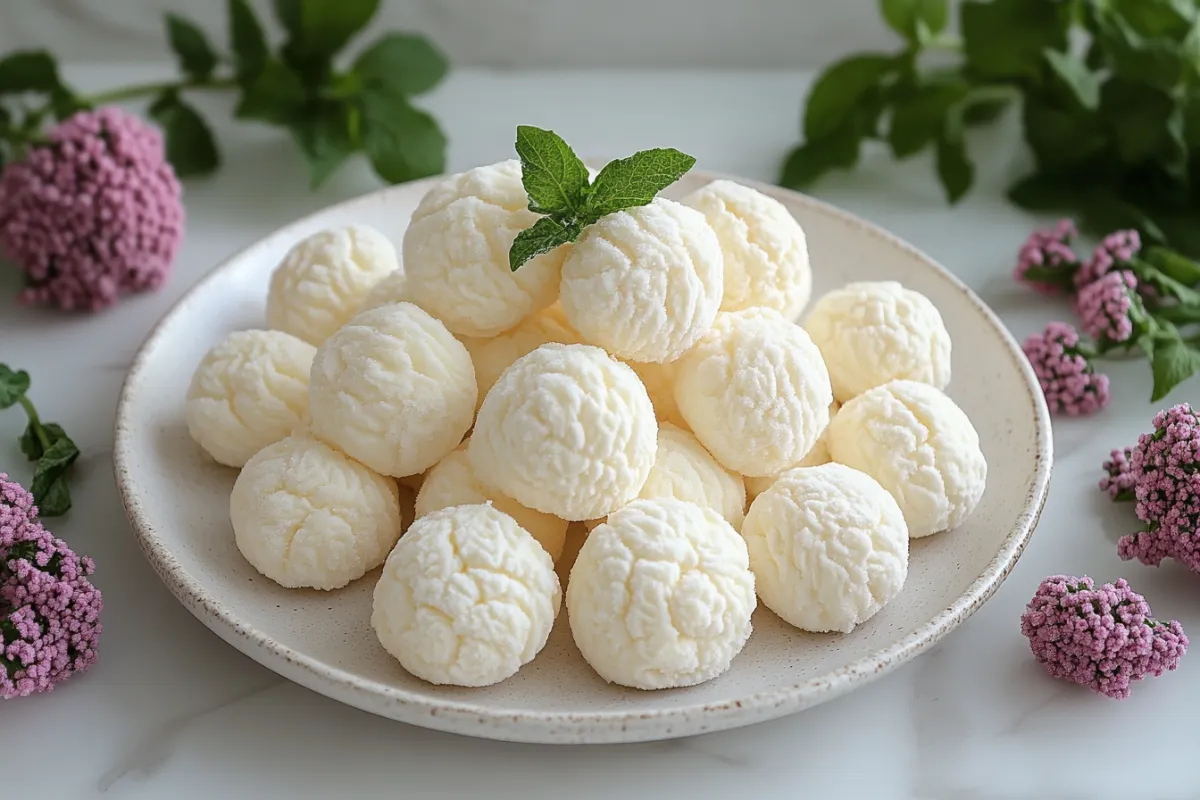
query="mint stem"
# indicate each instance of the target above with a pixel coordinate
(35, 422)
(144, 89)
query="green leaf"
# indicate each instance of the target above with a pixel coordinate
(905, 16)
(544, 235)
(405, 63)
(55, 497)
(1173, 363)
(954, 167)
(1153, 18)
(554, 177)
(1147, 124)
(31, 440)
(634, 181)
(319, 28)
(1083, 83)
(1131, 55)
(13, 386)
(813, 159)
(837, 93)
(247, 41)
(1169, 286)
(276, 96)
(196, 56)
(191, 148)
(402, 143)
(28, 71)
(1006, 38)
(1041, 192)
(49, 487)
(1063, 139)
(918, 119)
(1174, 265)
(326, 139)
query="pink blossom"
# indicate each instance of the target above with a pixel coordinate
(1048, 252)
(1115, 251)
(1119, 480)
(92, 214)
(1108, 307)
(1103, 638)
(1068, 381)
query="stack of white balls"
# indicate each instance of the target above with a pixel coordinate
(640, 381)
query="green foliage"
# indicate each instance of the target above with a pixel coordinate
(44, 443)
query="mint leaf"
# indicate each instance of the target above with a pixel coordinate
(1006, 38)
(247, 41)
(542, 237)
(190, 146)
(31, 440)
(1152, 18)
(634, 181)
(319, 28)
(1172, 364)
(326, 139)
(838, 92)
(276, 96)
(196, 56)
(918, 118)
(814, 158)
(28, 71)
(13, 386)
(49, 487)
(554, 177)
(909, 17)
(1156, 61)
(405, 63)
(1062, 139)
(54, 497)
(1147, 123)
(402, 143)
(1083, 83)
(1172, 264)
(954, 167)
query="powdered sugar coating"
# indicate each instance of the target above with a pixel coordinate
(393, 288)
(920, 446)
(466, 598)
(684, 470)
(828, 547)
(765, 250)
(492, 356)
(755, 391)
(818, 455)
(306, 515)
(661, 595)
(456, 253)
(393, 389)
(249, 391)
(452, 482)
(873, 332)
(644, 283)
(324, 279)
(659, 380)
(566, 430)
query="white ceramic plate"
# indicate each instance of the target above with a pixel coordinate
(178, 502)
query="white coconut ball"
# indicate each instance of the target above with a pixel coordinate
(456, 253)
(492, 356)
(250, 390)
(567, 430)
(920, 446)
(828, 547)
(392, 289)
(765, 249)
(659, 380)
(393, 389)
(452, 482)
(818, 455)
(661, 595)
(306, 515)
(644, 283)
(755, 392)
(872, 333)
(467, 597)
(324, 279)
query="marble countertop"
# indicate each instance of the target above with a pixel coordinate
(171, 711)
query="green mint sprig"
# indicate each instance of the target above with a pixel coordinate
(44, 443)
(1108, 91)
(330, 113)
(557, 183)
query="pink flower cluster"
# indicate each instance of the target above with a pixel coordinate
(93, 214)
(1048, 250)
(1106, 307)
(49, 610)
(1067, 379)
(1119, 481)
(1116, 250)
(1165, 466)
(1103, 638)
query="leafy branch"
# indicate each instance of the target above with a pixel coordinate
(330, 113)
(44, 443)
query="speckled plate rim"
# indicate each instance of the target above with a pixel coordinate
(471, 719)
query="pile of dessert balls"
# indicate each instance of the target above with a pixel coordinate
(645, 383)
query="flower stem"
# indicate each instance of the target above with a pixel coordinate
(144, 89)
(35, 422)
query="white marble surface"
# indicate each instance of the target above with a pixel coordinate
(501, 33)
(170, 711)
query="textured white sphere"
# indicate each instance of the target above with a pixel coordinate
(494, 355)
